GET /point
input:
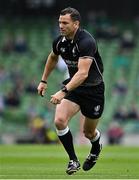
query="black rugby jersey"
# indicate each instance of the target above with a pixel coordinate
(83, 45)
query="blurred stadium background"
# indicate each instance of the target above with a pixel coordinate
(27, 29)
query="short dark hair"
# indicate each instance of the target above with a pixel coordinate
(74, 13)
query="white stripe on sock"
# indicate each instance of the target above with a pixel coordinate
(62, 132)
(97, 136)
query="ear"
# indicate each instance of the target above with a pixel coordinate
(76, 23)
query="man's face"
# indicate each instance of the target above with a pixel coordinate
(67, 25)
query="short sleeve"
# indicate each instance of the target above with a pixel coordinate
(87, 47)
(55, 45)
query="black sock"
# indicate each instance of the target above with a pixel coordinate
(67, 142)
(95, 147)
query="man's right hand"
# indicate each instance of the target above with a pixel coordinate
(42, 88)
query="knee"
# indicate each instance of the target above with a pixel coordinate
(60, 123)
(89, 134)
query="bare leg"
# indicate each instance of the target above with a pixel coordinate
(90, 128)
(64, 112)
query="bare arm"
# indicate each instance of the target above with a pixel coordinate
(49, 66)
(81, 74)
(78, 78)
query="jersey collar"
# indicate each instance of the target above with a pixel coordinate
(77, 35)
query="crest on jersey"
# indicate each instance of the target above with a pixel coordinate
(97, 108)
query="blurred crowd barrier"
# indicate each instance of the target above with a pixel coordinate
(27, 118)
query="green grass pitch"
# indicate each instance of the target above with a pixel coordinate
(50, 161)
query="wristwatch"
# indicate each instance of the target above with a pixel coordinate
(64, 89)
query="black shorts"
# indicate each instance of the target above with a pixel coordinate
(90, 100)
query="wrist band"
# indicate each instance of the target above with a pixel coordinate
(45, 82)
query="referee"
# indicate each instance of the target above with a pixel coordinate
(83, 91)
